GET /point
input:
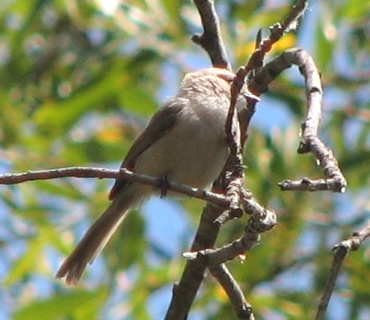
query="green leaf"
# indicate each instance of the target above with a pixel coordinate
(78, 305)
(324, 47)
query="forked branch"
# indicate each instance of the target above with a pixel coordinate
(340, 250)
(310, 142)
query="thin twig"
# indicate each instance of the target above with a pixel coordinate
(341, 250)
(236, 128)
(87, 172)
(263, 46)
(243, 309)
(261, 221)
(310, 142)
(235, 176)
(290, 22)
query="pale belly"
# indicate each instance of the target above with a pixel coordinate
(193, 156)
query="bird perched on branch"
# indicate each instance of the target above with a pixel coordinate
(185, 142)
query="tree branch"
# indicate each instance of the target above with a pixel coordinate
(243, 309)
(86, 172)
(262, 220)
(184, 292)
(234, 125)
(211, 40)
(309, 142)
(341, 250)
(202, 255)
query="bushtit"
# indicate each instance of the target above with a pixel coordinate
(185, 142)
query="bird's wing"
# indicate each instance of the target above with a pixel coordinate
(160, 124)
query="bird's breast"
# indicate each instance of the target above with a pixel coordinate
(193, 152)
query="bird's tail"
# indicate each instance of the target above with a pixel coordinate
(97, 237)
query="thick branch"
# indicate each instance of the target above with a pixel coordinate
(184, 292)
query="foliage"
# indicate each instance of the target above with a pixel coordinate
(77, 83)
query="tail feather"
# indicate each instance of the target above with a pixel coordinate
(95, 238)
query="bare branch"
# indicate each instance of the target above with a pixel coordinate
(262, 220)
(211, 40)
(184, 292)
(235, 176)
(263, 46)
(243, 309)
(236, 129)
(310, 142)
(256, 225)
(85, 172)
(290, 22)
(340, 252)
(202, 255)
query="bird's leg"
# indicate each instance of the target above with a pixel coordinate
(163, 184)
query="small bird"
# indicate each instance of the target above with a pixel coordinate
(185, 142)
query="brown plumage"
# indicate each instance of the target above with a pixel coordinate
(185, 141)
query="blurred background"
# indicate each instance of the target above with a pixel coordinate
(78, 82)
